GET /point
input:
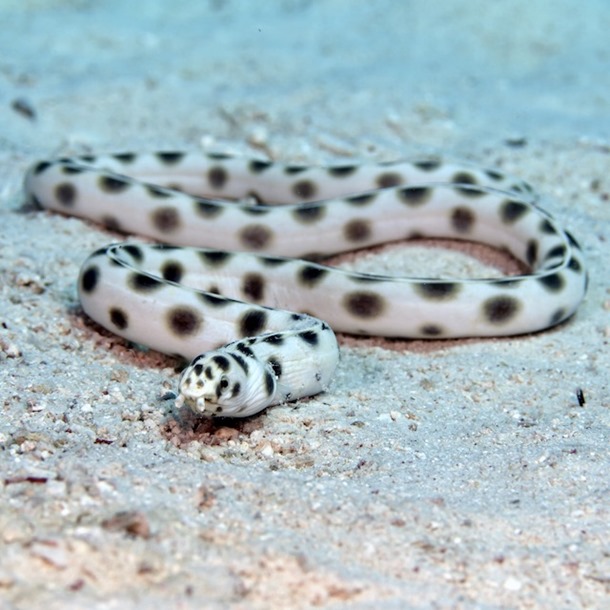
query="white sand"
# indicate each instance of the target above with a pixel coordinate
(440, 475)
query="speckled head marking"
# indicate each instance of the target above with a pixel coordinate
(191, 300)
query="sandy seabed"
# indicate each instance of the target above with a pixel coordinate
(457, 474)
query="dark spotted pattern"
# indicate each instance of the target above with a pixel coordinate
(462, 219)
(431, 330)
(69, 169)
(308, 213)
(172, 271)
(256, 231)
(547, 228)
(255, 237)
(222, 385)
(389, 179)
(269, 383)
(111, 223)
(134, 251)
(414, 195)
(464, 178)
(253, 287)
(243, 365)
(531, 252)
(311, 275)
(553, 282)
(218, 156)
(118, 318)
(494, 174)
(214, 300)
(574, 265)
(556, 252)
(437, 291)
(184, 321)
(124, 157)
(472, 191)
(144, 283)
(89, 279)
(252, 323)
(273, 261)
(342, 171)
(215, 258)
(217, 177)
(113, 184)
(274, 339)
(501, 309)
(511, 211)
(363, 304)
(428, 165)
(170, 157)
(305, 189)
(221, 362)
(244, 349)
(572, 241)
(207, 209)
(165, 219)
(309, 336)
(41, 167)
(361, 200)
(258, 167)
(357, 230)
(65, 193)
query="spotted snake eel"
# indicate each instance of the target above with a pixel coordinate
(257, 325)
